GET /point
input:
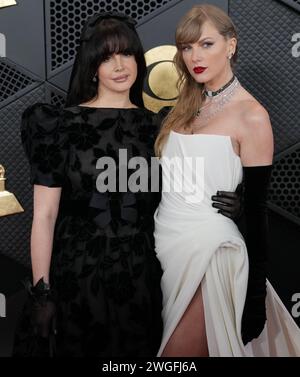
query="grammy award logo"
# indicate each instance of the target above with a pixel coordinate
(7, 3)
(2, 305)
(161, 79)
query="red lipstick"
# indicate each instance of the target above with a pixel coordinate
(199, 70)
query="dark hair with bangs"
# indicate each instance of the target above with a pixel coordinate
(98, 41)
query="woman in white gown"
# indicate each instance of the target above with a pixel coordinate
(214, 304)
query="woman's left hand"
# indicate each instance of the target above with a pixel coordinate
(229, 203)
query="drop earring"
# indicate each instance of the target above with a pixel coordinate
(94, 79)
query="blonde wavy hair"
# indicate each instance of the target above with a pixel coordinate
(191, 93)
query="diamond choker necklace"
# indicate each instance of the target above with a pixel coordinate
(217, 100)
(210, 93)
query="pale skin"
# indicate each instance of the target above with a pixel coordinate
(116, 75)
(248, 124)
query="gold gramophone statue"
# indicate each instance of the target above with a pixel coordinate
(9, 204)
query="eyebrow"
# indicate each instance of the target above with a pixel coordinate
(203, 39)
(200, 41)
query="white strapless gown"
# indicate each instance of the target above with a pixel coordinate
(195, 244)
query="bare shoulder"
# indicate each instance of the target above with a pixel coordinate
(255, 117)
(256, 134)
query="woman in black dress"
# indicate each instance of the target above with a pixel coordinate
(103, 274)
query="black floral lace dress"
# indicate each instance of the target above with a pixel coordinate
(104, 268)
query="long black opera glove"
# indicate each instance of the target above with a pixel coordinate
(256, 182)
(43, 316)
(229, 203)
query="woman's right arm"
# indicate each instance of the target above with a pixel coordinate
(45, 210)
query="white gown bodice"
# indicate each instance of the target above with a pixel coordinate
(192, 171)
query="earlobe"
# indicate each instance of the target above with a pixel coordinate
(232, 51)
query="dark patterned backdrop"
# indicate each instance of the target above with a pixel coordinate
(268, 69)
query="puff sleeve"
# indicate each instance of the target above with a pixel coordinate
(45, 143)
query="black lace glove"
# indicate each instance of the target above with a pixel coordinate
(229, 203)
(256, 182)
(43, 315)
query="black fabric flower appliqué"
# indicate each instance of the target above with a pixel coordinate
(83, 136)
(114, 207)
(47, 157)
